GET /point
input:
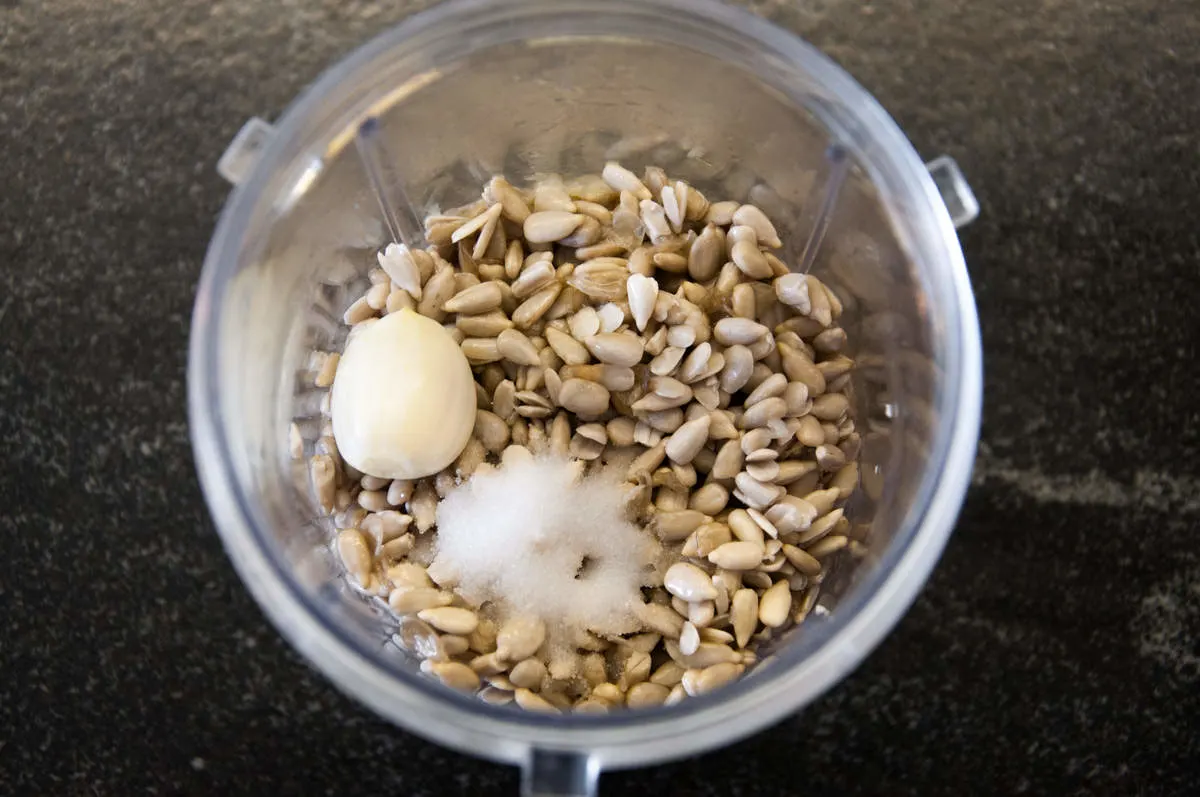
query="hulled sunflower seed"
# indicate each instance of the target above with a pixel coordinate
(583, 397)
(729, 461)
(688, 582)
(751, 216)
(515, 347)
(749, 259)
(450, 619)
(707, 254)
(661, 619)
(355, 555)
(534, 278)
(547, 226)
(616, 348)
(740, 555)
(438, 290)
(533, 308)
(401, 268)
(481, 350)
(738, 331)
(417, 599)
(603, 279)
(531, 701)
(710, 499)
(487, 325)
(520, 637)
(642, 292)
(687, 441)
(756, 494)
(570, 350)
(775, 605)
(743, 613)
(476, 299)
(621, 179)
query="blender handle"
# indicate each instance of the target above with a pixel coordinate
(553, 773)
(959, 198)
(243, 152)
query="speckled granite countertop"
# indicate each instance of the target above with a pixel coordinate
(1057, 648)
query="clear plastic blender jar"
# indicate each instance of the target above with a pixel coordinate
(472, 88)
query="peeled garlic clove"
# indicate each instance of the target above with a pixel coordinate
(403, 398)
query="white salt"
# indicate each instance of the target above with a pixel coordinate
(533, 538)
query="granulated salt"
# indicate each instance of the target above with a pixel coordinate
(535, 538)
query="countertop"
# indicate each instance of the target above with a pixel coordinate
(1056, 649)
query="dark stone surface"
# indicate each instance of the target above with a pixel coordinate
(1057, 648)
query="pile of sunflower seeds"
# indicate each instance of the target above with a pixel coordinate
(623, 321)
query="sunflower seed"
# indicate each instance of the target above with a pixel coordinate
(687, 441)
(513, 206)
(584, 323)
(775, 605)
(756, 494)
(830, 407)
(642, 292)
(654, 219)
(746, 255)
(681, 336)
(515, 347)
(534, 278)
(646, 695)
(661, 619)
(603, 279)
(721, 213)
(708, 538)
(710, 499)
(520, 637)
(583, 397)
(821, 310)
(707, 655)
(566, 347)
(533, 308)
(550, 225)
(701, 682)
(803, 561)
(688, 582)
(764, 412)
(696, 363)
(476, 299)
(487, 325)
(674, 202)
(729, 461)
(738, 233)
(450, 619)
(621, 179)
(743, 611)
(481, 350)
(751, 216)
(791, 514)
(830, 458)
(356, 556)
(411, 601)
(819, 528)
(401, 268)
(738, 331)
(616, 348)
(532, 702)
(689, 639)
(740, 555)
